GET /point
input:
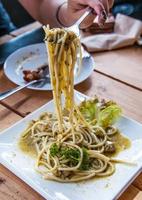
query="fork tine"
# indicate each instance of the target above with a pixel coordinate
(42, 83)
(75, 26)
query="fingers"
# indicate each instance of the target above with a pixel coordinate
(102, 18)
(101, 7)
(96, 5)
(88, 21)
(107, 4)
(105, 13)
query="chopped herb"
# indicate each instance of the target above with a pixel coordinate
(72, 154)
(85, 165)
(54, 150)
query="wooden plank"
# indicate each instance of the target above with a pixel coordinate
(7, 118)
(5, 38)
(26, 100)
(5, 84)
(11, 187)
(130, 99)
(138, 196)
(14, 188)
(26, 28)
(123, 64)
(130, 193)
(138, 182)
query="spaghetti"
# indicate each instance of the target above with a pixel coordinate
(69, 147)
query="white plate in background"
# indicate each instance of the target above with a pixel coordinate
(33, 56)
(108, 188)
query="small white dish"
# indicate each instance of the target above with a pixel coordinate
(33, 56)
(108, 188)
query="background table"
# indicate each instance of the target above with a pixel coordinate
(117, 76)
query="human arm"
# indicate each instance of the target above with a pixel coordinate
(45, 11)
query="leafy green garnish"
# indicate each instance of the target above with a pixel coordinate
(54, 150)
(104, 113)
(89, 109)
(72, 155)
(85, 165)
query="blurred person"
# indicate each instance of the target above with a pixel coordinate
(61, 13)
(58, 12)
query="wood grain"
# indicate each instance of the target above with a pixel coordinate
(13, 188)
(5, 84)
(130, 193)
(7, 118)
(138, 196)
(5, 38)
(27, 100)
(124, 65)
(138, 182)
(26, 28)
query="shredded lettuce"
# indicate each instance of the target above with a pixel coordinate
(89, 109)
(109, 115)
(105, 113)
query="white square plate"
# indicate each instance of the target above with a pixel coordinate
(107, 188)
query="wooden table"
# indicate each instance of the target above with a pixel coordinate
(117, 76)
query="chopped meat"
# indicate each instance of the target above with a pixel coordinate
(109, 147)
(34, 75)
(30, 75)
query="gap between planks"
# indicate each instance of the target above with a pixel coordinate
(116, 79)
(12, 109)
(95, 71)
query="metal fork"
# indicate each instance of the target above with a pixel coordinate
(43, 80)
(75, 26)
(38, 83)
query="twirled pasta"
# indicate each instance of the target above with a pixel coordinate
(68, 147)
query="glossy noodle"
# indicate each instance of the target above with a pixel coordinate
(69, 147)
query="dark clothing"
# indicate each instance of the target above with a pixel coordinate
(6, 24)
(131, 8)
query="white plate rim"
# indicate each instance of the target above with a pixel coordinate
(37, 45)
(39, 189)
